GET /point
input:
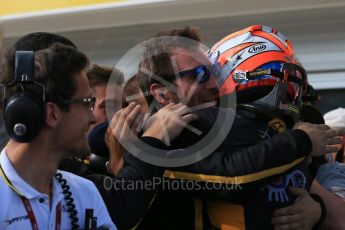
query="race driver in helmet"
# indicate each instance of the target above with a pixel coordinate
(258, 64)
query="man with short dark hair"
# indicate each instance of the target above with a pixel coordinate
(34, 42)
(30, 182)
(160, 62)
(107, 87)
(106, 84)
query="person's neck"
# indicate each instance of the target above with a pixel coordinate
(35, 163)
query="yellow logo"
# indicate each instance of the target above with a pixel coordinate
(277, 124)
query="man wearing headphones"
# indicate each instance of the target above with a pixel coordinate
(32, 41)
(45, 96)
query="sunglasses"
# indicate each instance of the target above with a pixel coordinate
(201, 73)
(87, 101)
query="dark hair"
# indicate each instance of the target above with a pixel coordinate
(40, 40)
(55, 68)
(156, 56)
(131, 88)
(192, 33)
(101, 75)
(30, 42)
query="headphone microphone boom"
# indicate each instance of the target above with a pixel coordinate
(23, 111)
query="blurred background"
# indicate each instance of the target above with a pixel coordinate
(105, 30)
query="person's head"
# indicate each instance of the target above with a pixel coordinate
(174, 68)
(66, 105)
(336, 119)
(258, 63)
(133, 93)
(32, 42)
(106, 84)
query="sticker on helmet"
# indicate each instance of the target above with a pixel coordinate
(239, 76)
(257, 48)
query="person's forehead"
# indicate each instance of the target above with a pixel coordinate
(82, 83)
(189, 58)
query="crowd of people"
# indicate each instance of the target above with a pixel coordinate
(219, 139)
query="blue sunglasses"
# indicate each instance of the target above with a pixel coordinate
(201, 73)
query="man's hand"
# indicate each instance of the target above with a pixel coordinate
(116, 161)
(323, 138)
(302, 215)
(122, 128)
(169, 122)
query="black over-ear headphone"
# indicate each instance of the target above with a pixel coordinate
(23, 111)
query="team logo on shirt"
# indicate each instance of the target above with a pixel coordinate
(277, 125)
(277, 188)
(16, 219)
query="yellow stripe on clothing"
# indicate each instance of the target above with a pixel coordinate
(232, 180)
(8, 182)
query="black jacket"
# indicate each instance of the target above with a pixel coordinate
(253, 155)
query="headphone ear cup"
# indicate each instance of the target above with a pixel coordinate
(23, 117)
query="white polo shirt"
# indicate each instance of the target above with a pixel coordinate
(13, 214)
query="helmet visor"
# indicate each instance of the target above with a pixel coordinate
(292, 74)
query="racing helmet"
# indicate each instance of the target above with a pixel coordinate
(258, 64)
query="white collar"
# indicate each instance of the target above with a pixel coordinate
(22, 186)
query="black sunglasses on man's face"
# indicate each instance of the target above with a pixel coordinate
(201, 73)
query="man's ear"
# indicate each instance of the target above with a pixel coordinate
(53, 114)
(160, 93)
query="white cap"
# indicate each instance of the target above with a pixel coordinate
(335, 118)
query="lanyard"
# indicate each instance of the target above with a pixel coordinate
(27, 205)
